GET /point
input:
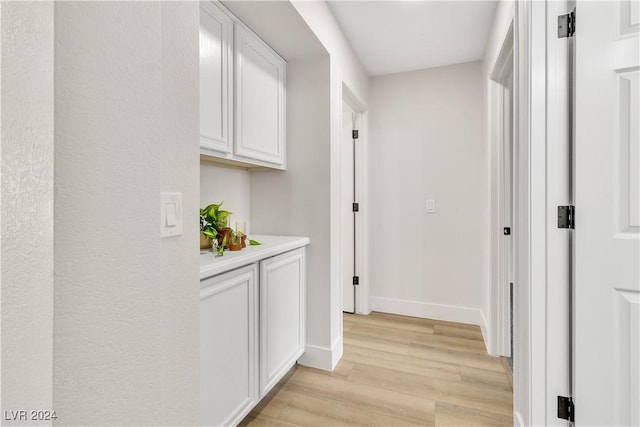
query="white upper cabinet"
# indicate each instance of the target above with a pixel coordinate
(216, 71)
(260, 100)
(242, 93)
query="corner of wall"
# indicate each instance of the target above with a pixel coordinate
(486, 334)
(322, 357)
(26, 206)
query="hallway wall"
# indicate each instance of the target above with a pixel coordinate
(126, 329)
(26, 206)
(427, 142)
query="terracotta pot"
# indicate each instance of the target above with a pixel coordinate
(222, 232)
(236, 247)
(244, 238)
(205, 242)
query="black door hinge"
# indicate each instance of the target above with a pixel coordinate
(354, 134)
(567, 25)
(566, 410)
(356, 280)
(566, 217)
(506, 231)
(355, 207)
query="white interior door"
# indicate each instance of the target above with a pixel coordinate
(346, 215)
(507, 214)
(607, 223)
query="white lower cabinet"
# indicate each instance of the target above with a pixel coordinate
(252, 331)
(282, 317)
(228, 346)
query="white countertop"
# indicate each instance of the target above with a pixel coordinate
(211, 264)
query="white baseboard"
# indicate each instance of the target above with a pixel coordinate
(451, 313)
(518, 420)
(324, 358)
(485, 333)
(336, 352)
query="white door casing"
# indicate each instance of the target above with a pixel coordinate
(558, 193)
(346, 215)
(607, 223)
(353, 181)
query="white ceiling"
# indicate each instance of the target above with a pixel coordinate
(397, 36)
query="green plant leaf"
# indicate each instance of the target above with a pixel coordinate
(210, 233)
(221, 246)
(222, 218)
(254, 242)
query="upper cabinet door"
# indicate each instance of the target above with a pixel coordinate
(260, 100)
(216, 70)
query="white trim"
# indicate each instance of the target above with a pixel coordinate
(362, 302)
(517, 419)
(486, 333)
(337, 350)
(537, 224)
(364, 305)
(501, 69)
(449, 313)
(322, 357)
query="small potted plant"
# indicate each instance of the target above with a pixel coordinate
(235, 241)
(213, 225)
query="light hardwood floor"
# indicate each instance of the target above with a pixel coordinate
(396, 370)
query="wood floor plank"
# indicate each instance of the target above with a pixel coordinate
(435, 369)
(474, 360)
(412, 408)
(396, 371)
(455, 415)
(455, 331)
(485, 377)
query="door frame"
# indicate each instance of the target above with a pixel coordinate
(361, 303)
(500, 296)
(537, 360)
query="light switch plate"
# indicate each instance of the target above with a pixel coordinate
(170, 214)
(431, 206)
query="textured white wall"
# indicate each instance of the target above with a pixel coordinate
(296, 202)
(344, 68)
(126, 331)
(320, 19)
(26, 211)
(427, 142)
(231, 185)
(304, 200)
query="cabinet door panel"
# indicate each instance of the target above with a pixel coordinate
(282, 317)
(260, 100)
(228, 347)
(216, 32)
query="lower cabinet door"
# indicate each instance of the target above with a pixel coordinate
(282, 315)
(228, 346)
